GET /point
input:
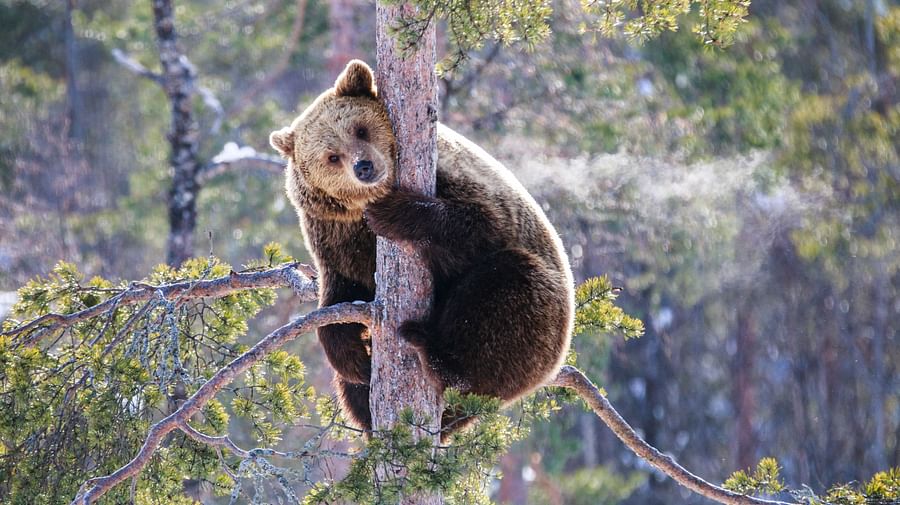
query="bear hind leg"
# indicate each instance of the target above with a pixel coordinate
(420, 336)
(503, 326)
(354, 402)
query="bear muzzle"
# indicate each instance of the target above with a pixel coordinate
(364, 170)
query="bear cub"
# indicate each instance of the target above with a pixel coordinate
(503, 291)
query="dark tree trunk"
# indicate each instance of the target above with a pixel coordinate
(878, 376)
(178, 81)
(73, 98)
(408, 86)
(744, 390)
(587, 425)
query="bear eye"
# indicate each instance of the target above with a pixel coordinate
(334, 158)
(362, 133)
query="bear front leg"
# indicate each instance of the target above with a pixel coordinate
(343, 343)
(411, 217)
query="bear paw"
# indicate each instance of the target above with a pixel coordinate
(398, 216)
(414, 332)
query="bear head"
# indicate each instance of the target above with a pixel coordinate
(341, 150)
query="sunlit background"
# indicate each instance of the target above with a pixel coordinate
(746, 199)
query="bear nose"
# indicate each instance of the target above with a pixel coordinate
(364, 170)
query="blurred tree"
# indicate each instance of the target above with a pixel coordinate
(124, 124)
(177, 79)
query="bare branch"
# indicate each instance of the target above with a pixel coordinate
(231, 153)
(297, 276)
(573, 378)
(309, 449)
(210, 100)
(135, 66)
(356, 312)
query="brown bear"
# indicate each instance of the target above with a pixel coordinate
(503, 291)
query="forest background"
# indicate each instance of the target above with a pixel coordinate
(746, 199)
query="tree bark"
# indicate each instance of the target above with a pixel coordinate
(178, 82)
(408, 86)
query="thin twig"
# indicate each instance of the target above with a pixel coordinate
(135, 66)
(573, 378)
(220, 441)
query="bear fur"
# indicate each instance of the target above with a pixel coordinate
(503, 291)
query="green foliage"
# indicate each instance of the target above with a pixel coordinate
(882, 488)
(596, 312)
(764, 480)
(273, 255)
(471, 24)
(100, 383)
(719, 19)
(79, 403)
(739, 97)
(460, 470)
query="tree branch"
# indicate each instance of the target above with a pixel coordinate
(300, 278)
(209, 98)
(572, 378)
(297, 276)
(355, 312)
(220, 441)
(307, 451)
(231, 153)
(135, 66)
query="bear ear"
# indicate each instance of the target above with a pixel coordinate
(356, 80)
(283, 141)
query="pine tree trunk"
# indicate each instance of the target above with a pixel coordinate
(178, 81)
(408, 86)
